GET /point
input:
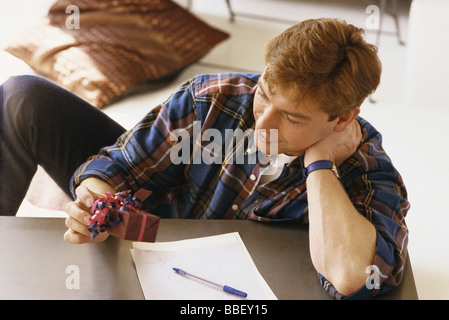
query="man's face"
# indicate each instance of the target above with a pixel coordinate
(299, 125)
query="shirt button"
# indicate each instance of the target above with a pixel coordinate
(235, 207)
(253, 177)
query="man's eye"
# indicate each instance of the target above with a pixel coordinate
(294, 122)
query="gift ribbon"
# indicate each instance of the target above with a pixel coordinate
(142, 227)
(102, 208)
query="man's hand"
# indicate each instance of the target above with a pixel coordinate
(337, 147)
(79, 211)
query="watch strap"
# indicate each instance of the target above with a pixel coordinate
(318, 165)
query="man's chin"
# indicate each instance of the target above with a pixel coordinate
(270, 149)
(278, 150)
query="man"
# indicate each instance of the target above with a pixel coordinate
(306, 104)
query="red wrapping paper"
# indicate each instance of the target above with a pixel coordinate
(136, 226)
(121, 217)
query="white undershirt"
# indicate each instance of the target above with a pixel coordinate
(274, 169)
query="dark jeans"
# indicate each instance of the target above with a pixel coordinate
(41, 123)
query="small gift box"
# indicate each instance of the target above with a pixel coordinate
(136, 226)
(121, 217)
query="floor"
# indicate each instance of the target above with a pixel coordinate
(411, 137)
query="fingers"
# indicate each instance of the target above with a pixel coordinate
(78, 219)
(74, 237)
(79, 215)
(77, 222)
(79, 212)
(354, 137)
(358, 133)
(85, 196)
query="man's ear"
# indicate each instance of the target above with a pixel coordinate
(343, 121)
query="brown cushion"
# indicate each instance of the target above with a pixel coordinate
(118, 45)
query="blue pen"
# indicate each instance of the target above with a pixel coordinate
(225, 288)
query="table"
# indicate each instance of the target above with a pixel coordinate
(36, 262)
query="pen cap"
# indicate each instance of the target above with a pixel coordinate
(234, 291)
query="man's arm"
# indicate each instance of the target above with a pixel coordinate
(140, 154)
(342, 241)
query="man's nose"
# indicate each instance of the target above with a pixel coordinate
(268, 119)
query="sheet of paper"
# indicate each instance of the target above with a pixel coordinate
(222, 259)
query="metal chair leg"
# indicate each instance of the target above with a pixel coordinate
(231, 12)
(394, 14)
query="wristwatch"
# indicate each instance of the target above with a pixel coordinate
(321, 164)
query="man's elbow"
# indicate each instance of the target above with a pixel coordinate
(348, 282)
(349, 285)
